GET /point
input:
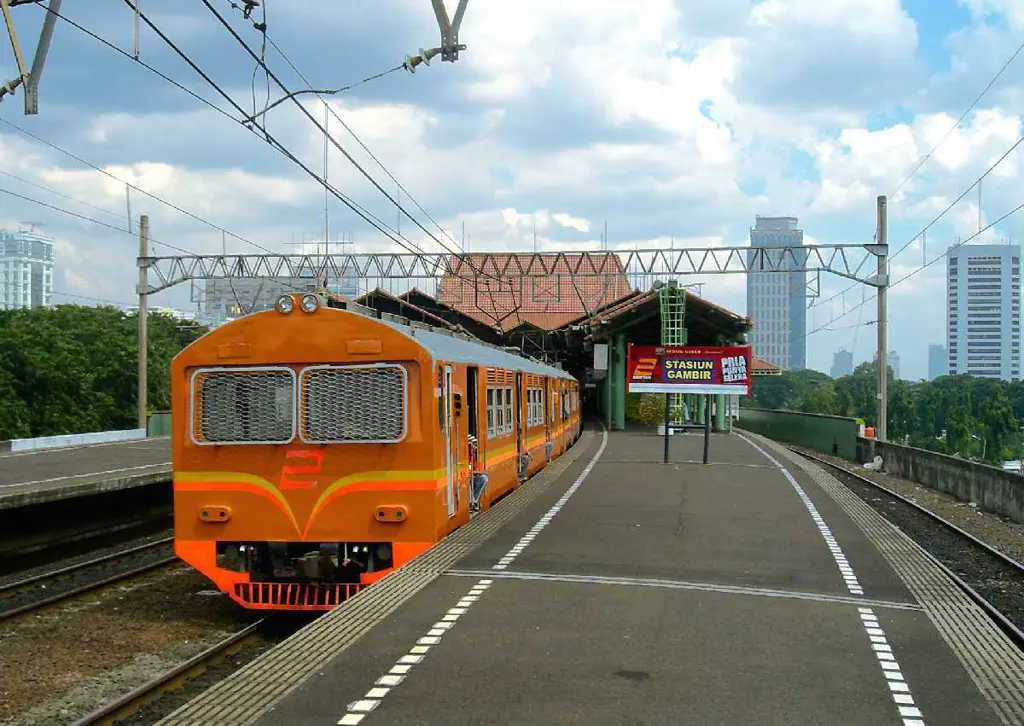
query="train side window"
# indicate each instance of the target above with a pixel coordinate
(490, 413)
(508, 410)
(500, 411)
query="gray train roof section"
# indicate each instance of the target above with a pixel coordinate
(449, 348)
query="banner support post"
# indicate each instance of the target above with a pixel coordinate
(707, 427)
(667, 415)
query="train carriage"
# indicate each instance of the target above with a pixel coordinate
(316, 449)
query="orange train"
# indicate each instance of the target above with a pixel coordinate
(317, 449)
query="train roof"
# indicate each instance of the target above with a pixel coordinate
(446, 346)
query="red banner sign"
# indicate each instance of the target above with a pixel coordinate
(688, 369)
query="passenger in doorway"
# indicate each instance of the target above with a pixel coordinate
(478, 480)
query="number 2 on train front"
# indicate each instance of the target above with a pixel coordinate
(289, 471)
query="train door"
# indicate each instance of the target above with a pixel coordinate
(546, 409)
(518, 414)
(553, 415)
(561, 417)
(451, 457)
(473, 415)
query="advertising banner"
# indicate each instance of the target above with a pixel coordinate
(688, 369)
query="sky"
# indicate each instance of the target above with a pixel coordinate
(674, 123)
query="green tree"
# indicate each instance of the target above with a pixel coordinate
(856, 393)
(902, 417)
(820, 399)
(998, 426)
(73, 369)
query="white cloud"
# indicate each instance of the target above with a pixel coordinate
(665, 119)
(567, 220)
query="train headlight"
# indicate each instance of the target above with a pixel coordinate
(285, 304)
(310, 303)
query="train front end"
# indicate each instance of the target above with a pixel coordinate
(301, 471)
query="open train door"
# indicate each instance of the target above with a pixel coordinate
(451, 453)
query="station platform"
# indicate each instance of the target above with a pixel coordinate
(614, 589)
(46, 475)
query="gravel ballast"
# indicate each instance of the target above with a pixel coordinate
(71, 659)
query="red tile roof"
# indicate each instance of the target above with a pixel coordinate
(760, 367)
(499, 294)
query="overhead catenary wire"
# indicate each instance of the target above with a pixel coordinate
(959, 121)
(60, 293)
(206, 102)
(70, 198)
(935, 220)
(340, 120)
(273, 142)
(134, 187)
(918, 269)
(927, 156)
(967, 191)
(367, 216)
(86, 218)
(374, 221)
(316, 122)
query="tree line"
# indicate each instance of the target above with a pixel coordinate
(960, 415)
(73, 369)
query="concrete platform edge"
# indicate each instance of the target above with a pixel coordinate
(16, 499)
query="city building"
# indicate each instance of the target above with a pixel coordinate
(26, 270)
(842, 363)
(232, 297)
(983, 311)
(777, 301)
(936, 361)
(893, 361)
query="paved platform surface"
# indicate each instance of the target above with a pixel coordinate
(32, 477)
(627, 591)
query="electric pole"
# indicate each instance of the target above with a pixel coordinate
(143, 263)
(882, 285)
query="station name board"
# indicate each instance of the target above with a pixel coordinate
(689, 369)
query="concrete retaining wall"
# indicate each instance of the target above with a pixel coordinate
(833, 435)
(996, 490)
(56, 442)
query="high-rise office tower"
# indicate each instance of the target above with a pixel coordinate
(842, 363)
(26, 270)
(893, 361)
(983, 311)
(936, 361)
(777, 302)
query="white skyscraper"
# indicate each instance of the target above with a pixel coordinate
(777, 302)
(26, 270)
(983, 311)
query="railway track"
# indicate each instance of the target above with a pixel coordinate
(129, 704)
(48, 588)
(992, 579)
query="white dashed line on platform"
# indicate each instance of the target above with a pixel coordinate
(898, 687)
